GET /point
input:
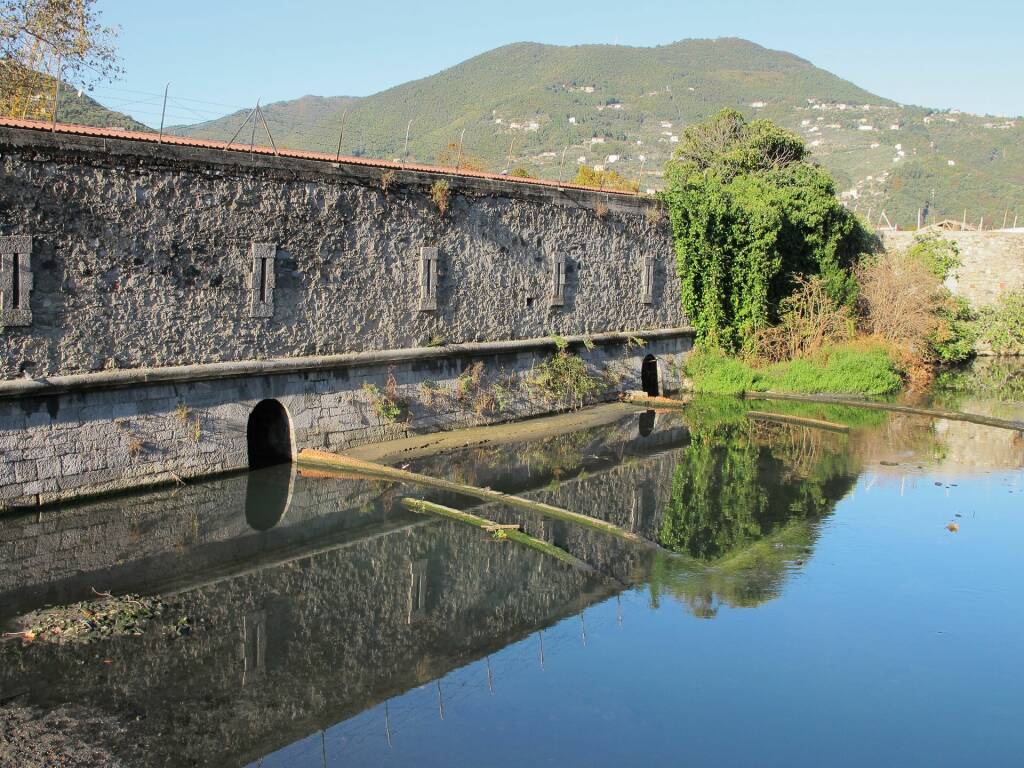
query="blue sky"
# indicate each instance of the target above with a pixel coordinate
(222, 54)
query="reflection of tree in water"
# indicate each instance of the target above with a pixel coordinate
(745, 503)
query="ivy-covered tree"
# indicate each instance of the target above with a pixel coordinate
(749, 212)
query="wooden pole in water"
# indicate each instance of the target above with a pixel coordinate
(430, 508)
(973, 418)
(327, 460)
(801, 421)
(635, 397)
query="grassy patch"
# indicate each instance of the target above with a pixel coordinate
(715, 373)
(865, 369)
(861, 368)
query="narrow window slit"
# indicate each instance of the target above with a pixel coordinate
(263, 280)
(16, 282)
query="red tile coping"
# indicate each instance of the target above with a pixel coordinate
(184, 141)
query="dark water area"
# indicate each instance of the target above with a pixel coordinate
(814, 598)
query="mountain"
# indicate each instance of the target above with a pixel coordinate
(78, 108)
(624, 108)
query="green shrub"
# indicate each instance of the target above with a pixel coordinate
(749, 211)
(957, 333)
(940, 255)
(852, 368)
(1001, 327)
(564, 377)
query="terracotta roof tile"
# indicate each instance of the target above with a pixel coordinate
(184, 141)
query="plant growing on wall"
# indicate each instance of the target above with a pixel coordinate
(388, 406)
(387, 180)
(654, 213)
(563, 377)
(440, 193)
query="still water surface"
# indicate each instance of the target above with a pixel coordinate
(807, 604)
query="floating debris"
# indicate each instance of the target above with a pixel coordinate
(106, 616)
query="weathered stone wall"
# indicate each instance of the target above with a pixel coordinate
(133, 275)
(60, 446)
(146, 255)
(993, 262)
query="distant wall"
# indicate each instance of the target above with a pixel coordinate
(993, 262)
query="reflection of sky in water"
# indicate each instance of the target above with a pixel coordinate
(895, 643)
(821, 612)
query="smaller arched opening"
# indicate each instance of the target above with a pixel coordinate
(269, 435)
(649, 376)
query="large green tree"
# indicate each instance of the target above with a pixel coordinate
(750, 211)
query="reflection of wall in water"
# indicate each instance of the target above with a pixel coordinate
(284, 651)
(190, 529)
(129, 542)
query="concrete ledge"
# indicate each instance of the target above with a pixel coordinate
(120, 379)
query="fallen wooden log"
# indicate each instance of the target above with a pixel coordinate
(636, 397)
(510, 532)
(324, 459)
(801, 421)
(973, 418)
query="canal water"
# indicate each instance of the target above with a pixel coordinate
(800, 597)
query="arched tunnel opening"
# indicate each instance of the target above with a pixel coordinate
(649, 376)
(269, 435)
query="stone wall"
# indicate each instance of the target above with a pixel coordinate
(993, 262)
(61, 446)
(146, 255)
(153, 295)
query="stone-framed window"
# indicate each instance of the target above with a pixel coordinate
(428, 279)
(15, 280)
(559, 268)
(262, 279)
(647, 281)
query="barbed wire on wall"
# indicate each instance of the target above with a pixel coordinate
(175, 114)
